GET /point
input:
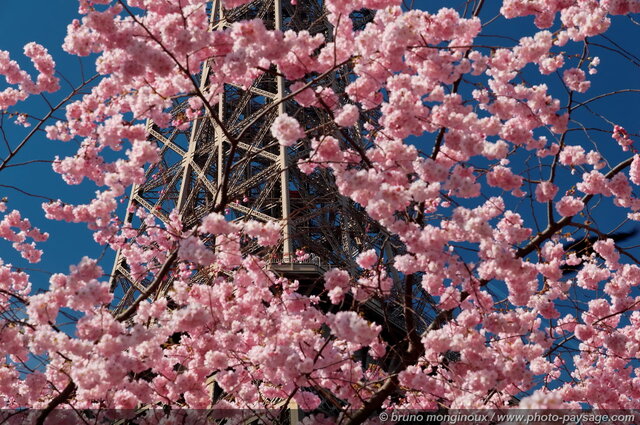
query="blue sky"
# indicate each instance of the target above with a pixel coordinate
(44, 21)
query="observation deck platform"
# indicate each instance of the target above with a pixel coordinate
(310, 268)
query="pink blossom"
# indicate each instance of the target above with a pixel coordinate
(622, 137)
(17, 230)
(326, 150)
(634, 172)
(619, 186)
(306, 96)
(607, 250)
(590, 275)
(569, 206)
(503, 178)
(367, 259)
(193, 249)
(349, 326)
(594, 183)
(574, 78)
(337, 283)
(546, 191)
(216, 224)
(572, 155)
(347, 116)
(287, 130)
(268, 234)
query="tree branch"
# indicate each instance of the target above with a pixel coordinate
(61, 398)
(555, 227)
(151, 288)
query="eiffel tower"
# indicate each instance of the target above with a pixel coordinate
(263, 180)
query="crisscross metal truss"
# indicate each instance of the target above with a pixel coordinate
(264, 182)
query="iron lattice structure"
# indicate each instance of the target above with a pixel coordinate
(264, 182)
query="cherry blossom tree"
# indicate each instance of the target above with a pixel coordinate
(483, 164)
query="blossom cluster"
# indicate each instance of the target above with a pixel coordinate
(428, 131)
(20, 83)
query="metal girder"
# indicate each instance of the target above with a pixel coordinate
(166, 142)
(262, 173)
